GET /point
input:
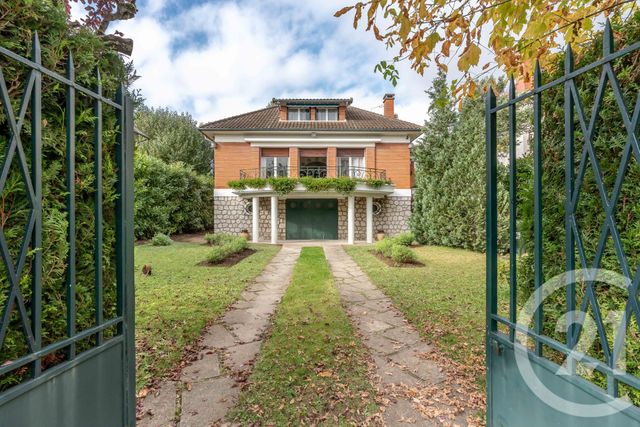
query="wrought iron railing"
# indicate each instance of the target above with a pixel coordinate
(315, 172)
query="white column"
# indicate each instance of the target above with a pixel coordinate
(369, 219)
(274, 220)
(351, 202)
(255, 211)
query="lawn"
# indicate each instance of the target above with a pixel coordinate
(312, 369)
(445, 299)
(179, 298)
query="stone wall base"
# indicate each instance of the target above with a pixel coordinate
(231, 215)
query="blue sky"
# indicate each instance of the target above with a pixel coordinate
(218, 58)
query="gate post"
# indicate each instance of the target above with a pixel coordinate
(492, 232)
(124, 251)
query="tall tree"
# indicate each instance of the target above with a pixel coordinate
(437, 130)
(516, 32)
(449, 199)
(174, 137)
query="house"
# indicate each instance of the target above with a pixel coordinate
(310, 139)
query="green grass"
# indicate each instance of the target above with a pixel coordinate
(445, 299)
(174, 303)
(312, 369)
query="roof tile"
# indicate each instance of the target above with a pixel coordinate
(269, 119)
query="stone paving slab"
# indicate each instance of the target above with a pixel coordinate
(208, 401)
(394, 344)
(208, 387)
(159, 408)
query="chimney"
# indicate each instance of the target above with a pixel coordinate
(388, 101)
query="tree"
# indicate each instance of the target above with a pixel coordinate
(174, 137)
(437, 129)
(449, 202)
(100, 13)
(516, 32)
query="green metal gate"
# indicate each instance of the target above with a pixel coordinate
(526, 384)
(87, 377)
(312, 219)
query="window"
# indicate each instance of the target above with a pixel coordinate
(352, 166)
(274, 166)
(327, 114)
(298, 114)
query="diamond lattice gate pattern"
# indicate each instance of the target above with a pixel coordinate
(562, 334)
(66, 330)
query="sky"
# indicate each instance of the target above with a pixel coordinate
(219, 58)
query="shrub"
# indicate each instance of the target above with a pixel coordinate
(284, 185)
(404, 239)
(384, 247)
(218, 239)
(402, 254)
(161, 239)
(170, 198)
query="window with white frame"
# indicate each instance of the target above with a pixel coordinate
(274, 167)
(327, 114)
(352, 166)
(298, 114)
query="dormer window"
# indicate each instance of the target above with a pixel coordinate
(327, 114)
(298, 114)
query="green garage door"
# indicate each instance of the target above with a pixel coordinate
(312, 219)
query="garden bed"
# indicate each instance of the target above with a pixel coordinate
(391, 263)
(230, 260)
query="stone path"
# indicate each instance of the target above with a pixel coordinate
(394, 344)
(207, 389)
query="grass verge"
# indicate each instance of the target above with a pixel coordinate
(444, 299)
(312, 369)
(179, 298)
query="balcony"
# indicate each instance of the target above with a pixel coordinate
(315, 172)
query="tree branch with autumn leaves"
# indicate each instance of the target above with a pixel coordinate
(518, 32)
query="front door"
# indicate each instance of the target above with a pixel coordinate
(312, 219)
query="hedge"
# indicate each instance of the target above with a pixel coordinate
(20, 20)
(609, 140)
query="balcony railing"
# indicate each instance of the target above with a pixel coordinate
(315, 172)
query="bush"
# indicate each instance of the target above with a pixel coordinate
(161, 240)
(229, 245)
(218, 238)
(170, 198)
(404, 239)
(402, 254)
(383, 247)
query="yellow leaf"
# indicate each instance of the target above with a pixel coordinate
(431, 41)
(405, 27)
(469, 57)
(325, 374)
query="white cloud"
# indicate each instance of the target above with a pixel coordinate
(223, 58)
